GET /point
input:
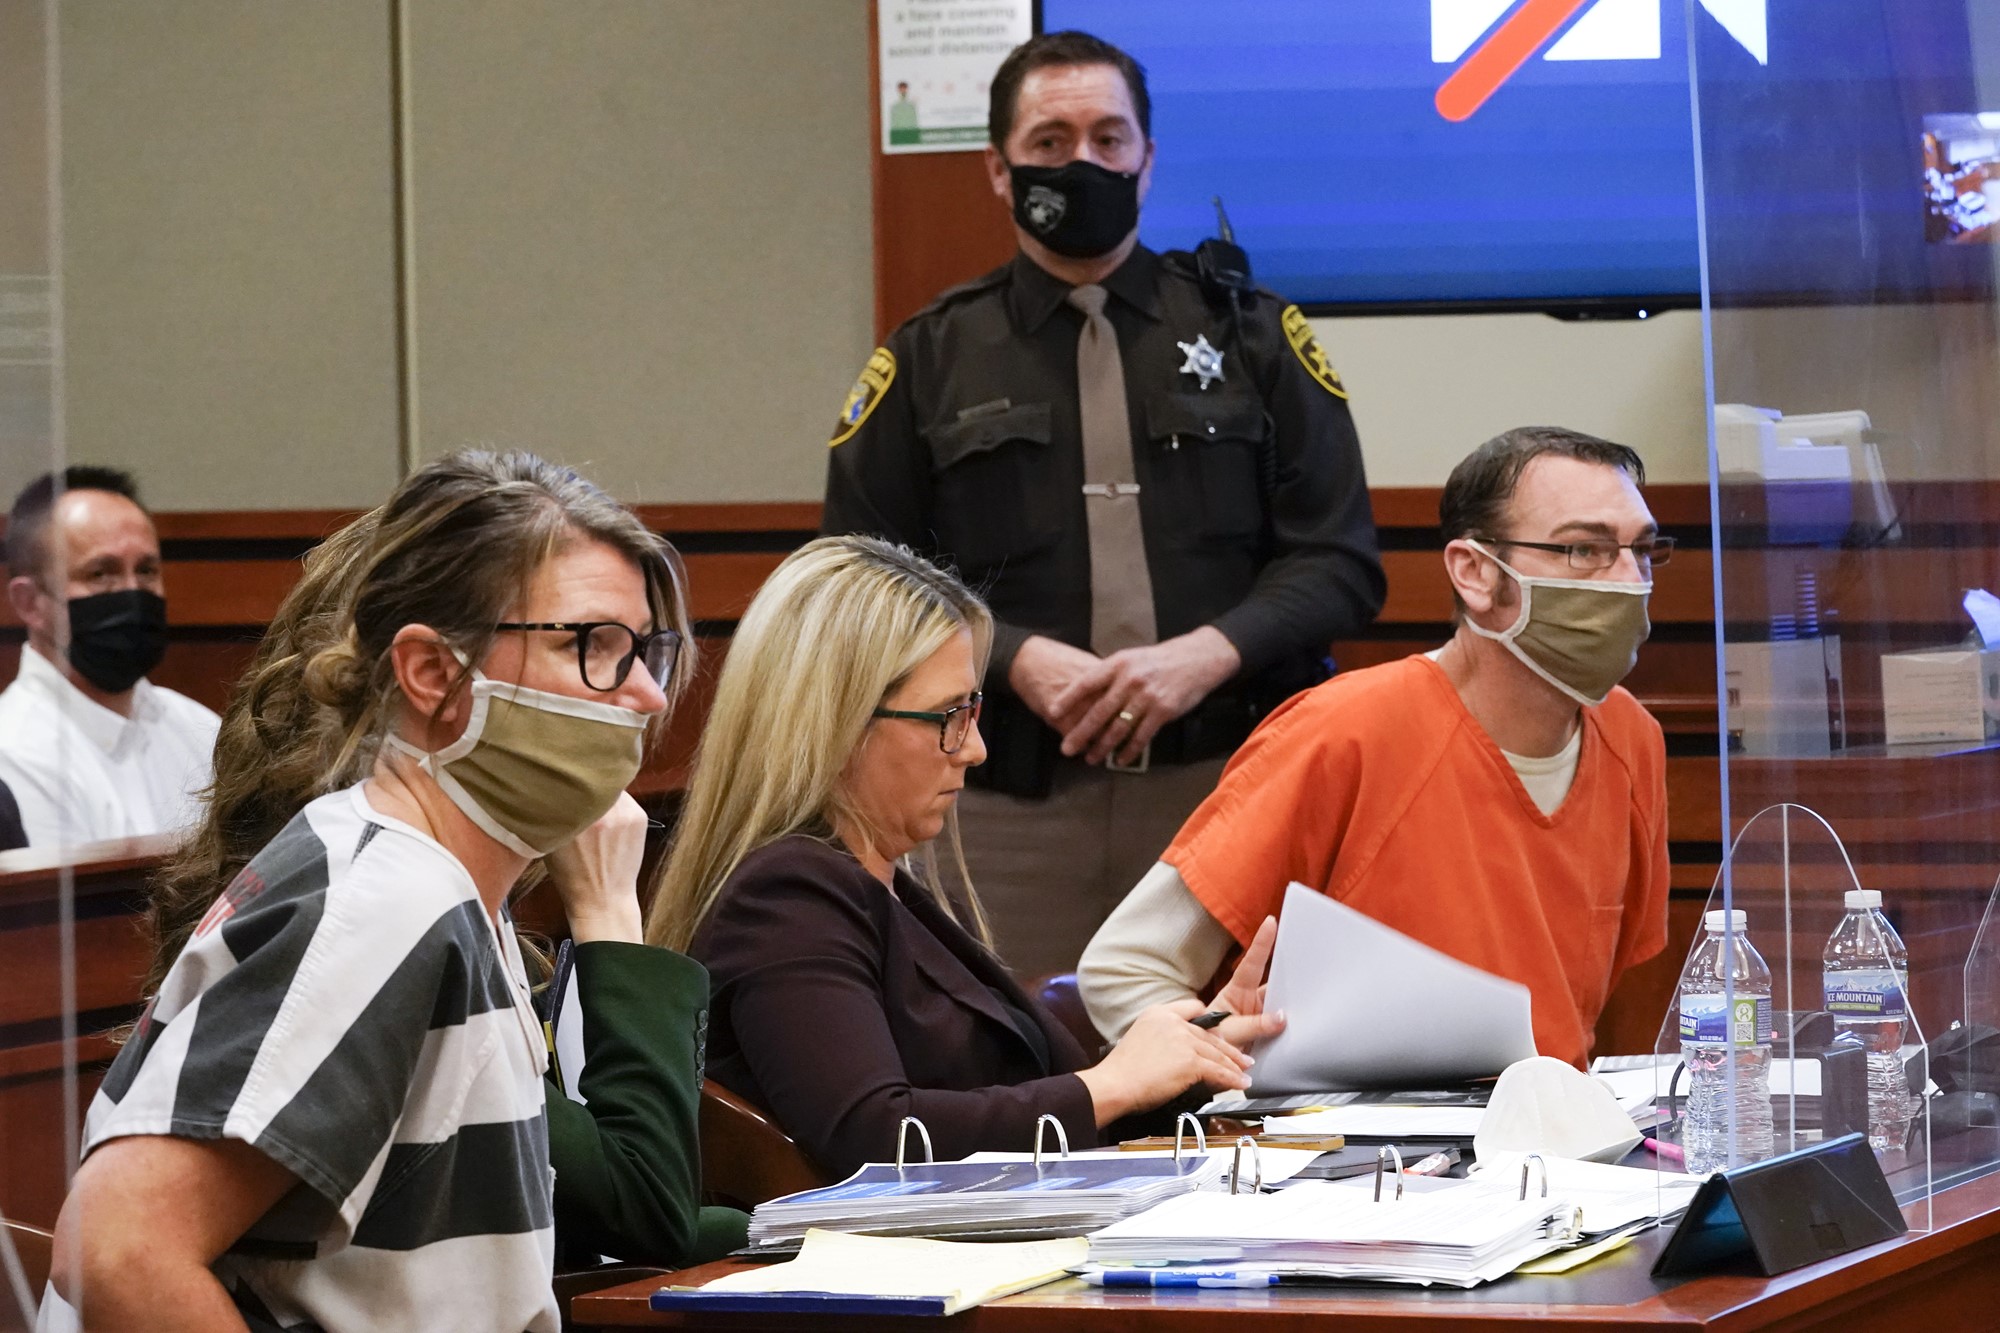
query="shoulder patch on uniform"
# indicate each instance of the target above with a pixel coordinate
(1311, 355)
(875, 379)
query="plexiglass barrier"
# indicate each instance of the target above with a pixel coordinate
(41, 1094)
(1849, 173)
(1803, 1015)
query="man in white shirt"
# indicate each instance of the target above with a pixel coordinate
(89, 747)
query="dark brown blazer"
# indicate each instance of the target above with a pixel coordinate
(839, 1009)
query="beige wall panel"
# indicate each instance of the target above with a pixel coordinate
(642, 235)
(228, 249)
(24, 163)
(1427, 388)
(26, 303)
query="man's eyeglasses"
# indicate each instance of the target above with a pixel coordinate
(606, 650)
(1599, 554)
(953, 724)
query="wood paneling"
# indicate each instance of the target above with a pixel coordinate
(33, 1173)
(104, 897)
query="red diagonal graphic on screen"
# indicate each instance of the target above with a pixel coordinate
(1505, 50)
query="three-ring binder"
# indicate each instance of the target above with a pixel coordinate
(1382, 1154)
(903, 1139)
(1236, 1165)
(1189, 1120)
(1043, 1122)
(1536, 1158)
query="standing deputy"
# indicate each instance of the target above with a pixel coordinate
(1153, 479)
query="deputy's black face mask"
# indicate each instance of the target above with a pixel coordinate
(1078, 209)
(117, 637)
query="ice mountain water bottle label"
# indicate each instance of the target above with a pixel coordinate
(1864, 993)
(1714, 1020)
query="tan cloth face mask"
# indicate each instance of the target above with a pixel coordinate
(535, 769)
(1580, 635)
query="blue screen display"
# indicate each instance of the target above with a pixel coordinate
(1319, 124)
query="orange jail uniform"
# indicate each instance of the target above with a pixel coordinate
(1380, 789)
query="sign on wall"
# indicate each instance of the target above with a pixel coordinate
(937, 61)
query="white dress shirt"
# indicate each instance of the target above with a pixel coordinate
(82, 773)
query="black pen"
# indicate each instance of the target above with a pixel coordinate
(1213, 1018)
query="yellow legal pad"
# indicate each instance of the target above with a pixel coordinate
(894, 1269)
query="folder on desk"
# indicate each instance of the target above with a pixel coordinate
(882, 1275)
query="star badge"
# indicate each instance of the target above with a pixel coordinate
(1203, 362)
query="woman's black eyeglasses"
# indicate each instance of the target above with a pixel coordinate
(606, 650)
(953, 724)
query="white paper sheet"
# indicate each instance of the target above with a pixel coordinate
(1367, 1006)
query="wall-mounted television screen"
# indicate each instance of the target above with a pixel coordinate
(1395, 154)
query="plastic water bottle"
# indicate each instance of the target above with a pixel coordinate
(1725, 1013)
(1866, 989)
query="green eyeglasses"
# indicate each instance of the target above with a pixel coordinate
(954, 724)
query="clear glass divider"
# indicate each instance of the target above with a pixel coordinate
(1794, 1022)
(1848, 171)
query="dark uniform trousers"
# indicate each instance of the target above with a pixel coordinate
(962, 440)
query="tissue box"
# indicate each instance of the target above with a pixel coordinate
(1945, 694)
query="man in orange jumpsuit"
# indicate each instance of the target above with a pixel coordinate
(1500, 799)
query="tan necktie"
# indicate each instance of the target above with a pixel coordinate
(1121, 587)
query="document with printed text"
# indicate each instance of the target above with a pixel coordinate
(1367, 1006)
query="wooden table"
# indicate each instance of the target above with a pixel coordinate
(1942, 1281)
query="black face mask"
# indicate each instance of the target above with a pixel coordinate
(117, 637)
(1078, 209)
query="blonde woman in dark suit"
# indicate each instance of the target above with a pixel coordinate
(847, 990)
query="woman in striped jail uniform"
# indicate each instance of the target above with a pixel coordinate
(332, 1113)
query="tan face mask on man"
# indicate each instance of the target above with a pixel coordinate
(1580, 635)
(535, 769)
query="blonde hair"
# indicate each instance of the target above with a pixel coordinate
(834, 631)
(453, 548)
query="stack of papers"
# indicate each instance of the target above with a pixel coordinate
(1454, 1233)
(842, 1274)
(1064, 1196)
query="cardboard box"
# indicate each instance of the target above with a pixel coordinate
(1945, 694)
